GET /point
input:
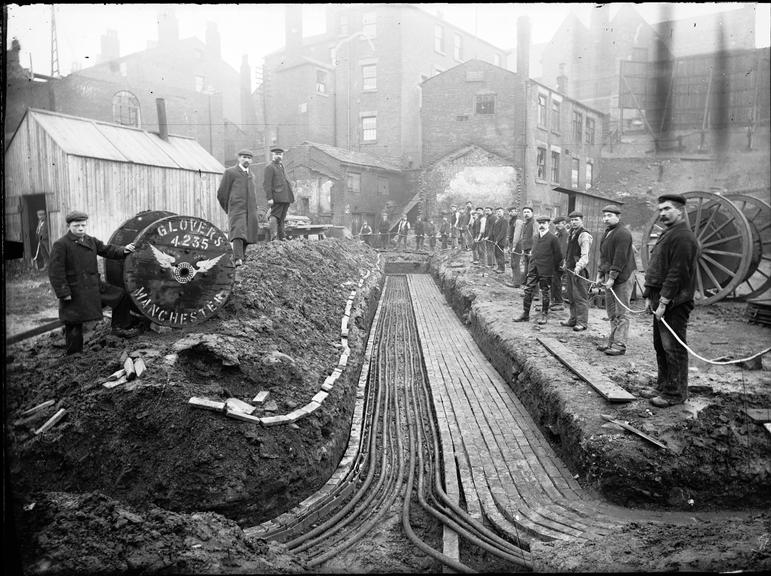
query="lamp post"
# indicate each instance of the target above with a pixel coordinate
(348, 88)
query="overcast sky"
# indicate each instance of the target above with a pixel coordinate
(258, 29)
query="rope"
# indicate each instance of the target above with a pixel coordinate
(716, 362)
(623, 305)
(591, 282)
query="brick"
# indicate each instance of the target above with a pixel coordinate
(206, 404)
(326, 387)
(118, 382)
(238, 415)
(312, 406)
(261, 397)
(234, 404)
(320, 397)
(273, 420)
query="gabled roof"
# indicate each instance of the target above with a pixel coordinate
(355, 158)
(94, 139)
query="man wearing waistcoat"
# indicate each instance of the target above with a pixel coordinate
(523, 244)
(670, 282)
(562, 235)
(279, 193)
(576, 261)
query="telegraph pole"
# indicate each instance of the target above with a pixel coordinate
(54, 45)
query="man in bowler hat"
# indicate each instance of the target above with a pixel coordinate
(237, 194)
(278, 190)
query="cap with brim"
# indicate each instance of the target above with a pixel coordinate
(679, 198)
(76, 216)
(559, 219)
(576, 214)
(277, 149)
(499, 208)
(246, 152)
(528, 208)
(612, 208)
(542, 219)
(510, 208)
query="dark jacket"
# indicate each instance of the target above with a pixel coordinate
(474, 227)
(671, 271)
(430, 229)
(276, 185)
(237, 195)
(384, 226)
(563, 236)
(529, 232)
(500, 231)
(546, 255)
(419, 228)
(491, 219)
(444, 228)
(465, 218)
(73, 272)
(616, 254)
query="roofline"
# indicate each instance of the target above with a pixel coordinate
(348, 162)
(566, 97)
(591, 195)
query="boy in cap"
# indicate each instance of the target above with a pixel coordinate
(545, 258)
(237, 195)
(670, 283)
(576, 261)
(278, 191)
(616, 272)
(74, 276)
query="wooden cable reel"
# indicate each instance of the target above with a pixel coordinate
(758, 214)
(726, 245)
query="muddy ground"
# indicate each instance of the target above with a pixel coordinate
(135, 480)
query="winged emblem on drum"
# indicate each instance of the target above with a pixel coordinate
(183, 272)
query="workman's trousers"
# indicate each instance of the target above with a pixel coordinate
(579, 301)
(239, 248)
(617, 314)
(401, 239)
(432, 242)
(671, 356)
(544, 283)
(556, 287)
(500, 257)
(113, 296)
(492, 248)
(516, 271)
(278, 210)
(444, 240)
(419, 242)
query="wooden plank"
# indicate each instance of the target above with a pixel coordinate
(33, 332)
(635, 430)
(122, 380)
(51, 421)
(37, 408)
(759, 415)
(591, 375)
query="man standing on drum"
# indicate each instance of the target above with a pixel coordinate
(278, 190)
(237, 195)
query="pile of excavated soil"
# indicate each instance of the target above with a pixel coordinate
(139, 462)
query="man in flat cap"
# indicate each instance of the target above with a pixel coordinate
(616, 272)
(522, 244)
(278, 190)
(576, 261)
(562, 234)
(237, 194)
(498, 235)
(545, 258)
(74, 276)
(670, 282)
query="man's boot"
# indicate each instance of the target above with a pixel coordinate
(543, 318)
(524, 317)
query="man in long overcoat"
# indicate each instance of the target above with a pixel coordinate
(75, 279)
(545, 258)
(278, 190)
(237, 195)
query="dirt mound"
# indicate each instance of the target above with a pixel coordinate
(143, 445)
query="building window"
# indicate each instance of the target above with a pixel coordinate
(353, 183)
(342, 25)
(199, 83)
(589, 130)
(540, 161)
(555, 115)
(589, 175)
(439, 38)
(475, 76)
(497, 59)
(302, 108)
(542, 110)
(369, 128)
(485, 103)
(125, 109)
(578, 121)
(322, 78)
(555, 166)
(457, 49)
(369, 77)
(574, 166)
(369, 24)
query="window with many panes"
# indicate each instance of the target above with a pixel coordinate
(589, 130)
(439, 38)
(542, 110)
(322, 79)
(458, 48)
(369, 128)
(555, 115)
(574, 166)
(578, 121)
(555, 166)
(540, 162)
(369, 24)
(589, 175)
(485, 103)
(125, 109)
(369, 77)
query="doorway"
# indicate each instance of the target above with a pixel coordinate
(30, 205)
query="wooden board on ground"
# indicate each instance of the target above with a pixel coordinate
(760, 415)
(635, 431)
(591, 375)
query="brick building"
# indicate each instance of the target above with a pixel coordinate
(356, 86)
(206, 98)
(480, 115)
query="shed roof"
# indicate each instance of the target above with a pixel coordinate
(582, 193)
(95, 139)
(351, 157)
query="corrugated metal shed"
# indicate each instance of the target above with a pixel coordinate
(93, 139)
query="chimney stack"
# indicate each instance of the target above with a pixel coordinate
(168, 26)
(293, 20)
(110, 46)
(163, 125)
(562, 81)
(523, 46)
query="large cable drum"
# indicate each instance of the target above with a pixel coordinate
(182, 271)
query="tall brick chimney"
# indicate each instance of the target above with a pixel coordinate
(523, 46)
(163, 124)
(168, 26)
(293, 21)
(110, 46)
(562, 80)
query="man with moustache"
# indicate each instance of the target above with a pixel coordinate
(515, 228)
(488, 239)
(237, 195)
(670, 283)
(278, 191)
(498, 237)
(556, 284)
(576, 261)
(523, 244)
(546, 257)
